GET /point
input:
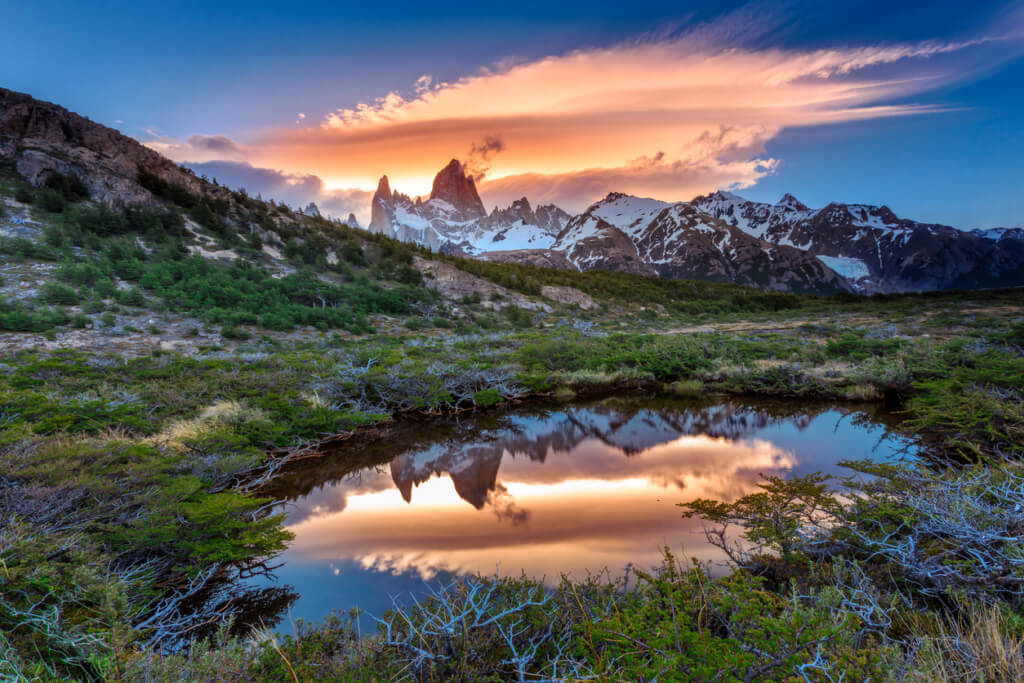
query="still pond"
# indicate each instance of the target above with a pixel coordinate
(545, 490)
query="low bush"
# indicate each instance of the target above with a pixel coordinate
(50, 201)
(57, 293)
(70, 186)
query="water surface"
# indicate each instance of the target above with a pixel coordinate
(545, 491)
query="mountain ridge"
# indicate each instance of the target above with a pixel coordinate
(889, 253)
(719, 237)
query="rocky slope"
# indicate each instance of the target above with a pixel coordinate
(875, 249)
(453, 219)
(42, 138)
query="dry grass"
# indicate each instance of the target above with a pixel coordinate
(689, 388)
(863, 392)
(177, 433)
(979, 644)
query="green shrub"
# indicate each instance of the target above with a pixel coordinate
(53, 235)
(156, 225)
(22, 248)
(50, 201)
(79, 273)
(18, 317)
(856, 346)
(518, 316)
(70, 187)
(131, 297)
(232, 332)
(58, 293)
(487, 397)
(352, 252)
(408, 275)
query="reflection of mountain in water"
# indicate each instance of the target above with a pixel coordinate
(472, 463)
(473, 469)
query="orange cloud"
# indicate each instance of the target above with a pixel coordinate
(671, 118)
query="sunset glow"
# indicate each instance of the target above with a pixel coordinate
(608, 501)
(670, 118)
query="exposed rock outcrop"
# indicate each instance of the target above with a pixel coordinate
(453, 283)
(569, 295)
(454, 186)
(42, 138)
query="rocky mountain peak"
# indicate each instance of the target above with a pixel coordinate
(312, 210)
(522, 210)
(788, 201)
(454, 186)
(383, 189)
(352, 221)
(725, 196)
(381, 211)
(886, 215)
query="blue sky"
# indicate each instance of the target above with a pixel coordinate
(164, 72)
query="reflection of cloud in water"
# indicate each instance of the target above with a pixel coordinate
(603, 441)
(590, 507)
(504, 507)
(332, 498)
(568, 490)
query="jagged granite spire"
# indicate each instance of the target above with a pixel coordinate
(380, 209)
(454, 186)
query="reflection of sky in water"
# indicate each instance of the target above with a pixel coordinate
(567, 491)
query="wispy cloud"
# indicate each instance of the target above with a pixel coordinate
(672, 117)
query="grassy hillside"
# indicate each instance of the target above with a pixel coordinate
(130, 504)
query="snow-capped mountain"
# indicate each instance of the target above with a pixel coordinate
(620, 232)
(720, 237)
(453, 219)
(875, 249)
(999, 234)
(646, 236)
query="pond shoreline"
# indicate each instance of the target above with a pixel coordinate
(279, 460)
